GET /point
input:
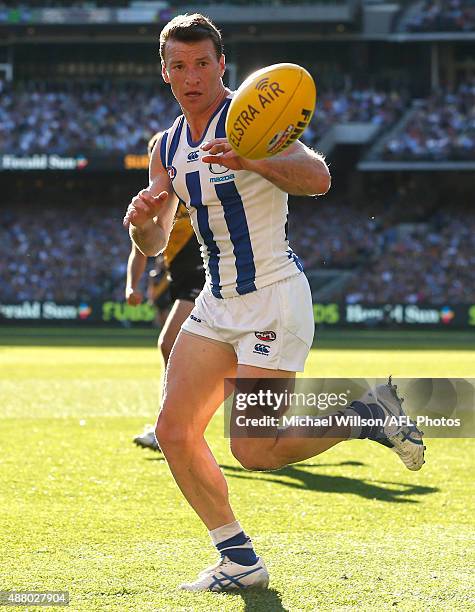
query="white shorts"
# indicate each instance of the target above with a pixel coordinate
(270, 328)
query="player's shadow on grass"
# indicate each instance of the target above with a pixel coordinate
(259, 600)
(303, 477)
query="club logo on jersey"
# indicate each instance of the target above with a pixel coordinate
(261, 349)
(171, 172)
(266, 336)
(217, 169)
(193, 156)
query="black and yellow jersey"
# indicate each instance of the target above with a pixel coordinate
(182, 255)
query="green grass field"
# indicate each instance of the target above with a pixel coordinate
(82, 509)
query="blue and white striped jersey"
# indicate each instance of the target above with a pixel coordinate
(239, 217)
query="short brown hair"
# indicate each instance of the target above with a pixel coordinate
(191, 28)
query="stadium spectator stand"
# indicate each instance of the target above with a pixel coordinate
(443, 16)
(80, 252)
(112, 118)
(433, 264)
(442, 128)
(362, 106)
(62, 255)
(71, 118)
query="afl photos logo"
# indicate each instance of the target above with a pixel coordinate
(171, 172)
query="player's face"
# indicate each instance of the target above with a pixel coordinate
(194, 73)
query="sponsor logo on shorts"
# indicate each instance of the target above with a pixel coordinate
(193, 156)
(266, 336)
(193, 318)
(261, 349)
(171, 172)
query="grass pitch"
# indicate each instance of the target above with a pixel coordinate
(82, 509)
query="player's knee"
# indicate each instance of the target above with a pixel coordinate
(239, 452)
(256, 460)
(171, 435)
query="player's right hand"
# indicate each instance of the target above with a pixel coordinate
(143, 208)
(133, 296)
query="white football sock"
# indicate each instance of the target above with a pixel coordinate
(220, 534)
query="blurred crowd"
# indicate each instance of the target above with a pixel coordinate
(62, 255)
(79, 253)
(444, 16)
(118, 119)
(333, 235)
(442, 128)
(434, 264)
(73, 118)
(366, 105)
(106, 118)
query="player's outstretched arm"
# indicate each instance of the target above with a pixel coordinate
(298, 170)
(150, 214)
(135, 268)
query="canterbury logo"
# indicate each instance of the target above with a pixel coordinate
(193, 156)
(262, 349)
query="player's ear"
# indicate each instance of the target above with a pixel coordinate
(165, 76)
(222, 64)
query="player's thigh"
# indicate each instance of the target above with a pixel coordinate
(253, 379)
(194, 381)
(179, 313)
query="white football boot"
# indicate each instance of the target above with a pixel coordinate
(404, 439)
(227, 575)
(147, 439)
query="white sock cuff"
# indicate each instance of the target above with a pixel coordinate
(220, 534)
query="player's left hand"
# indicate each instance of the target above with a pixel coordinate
(220, 152)
(133, 297)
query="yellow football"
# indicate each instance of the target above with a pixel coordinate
(270, 110)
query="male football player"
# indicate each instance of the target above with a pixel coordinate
(254, 284)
